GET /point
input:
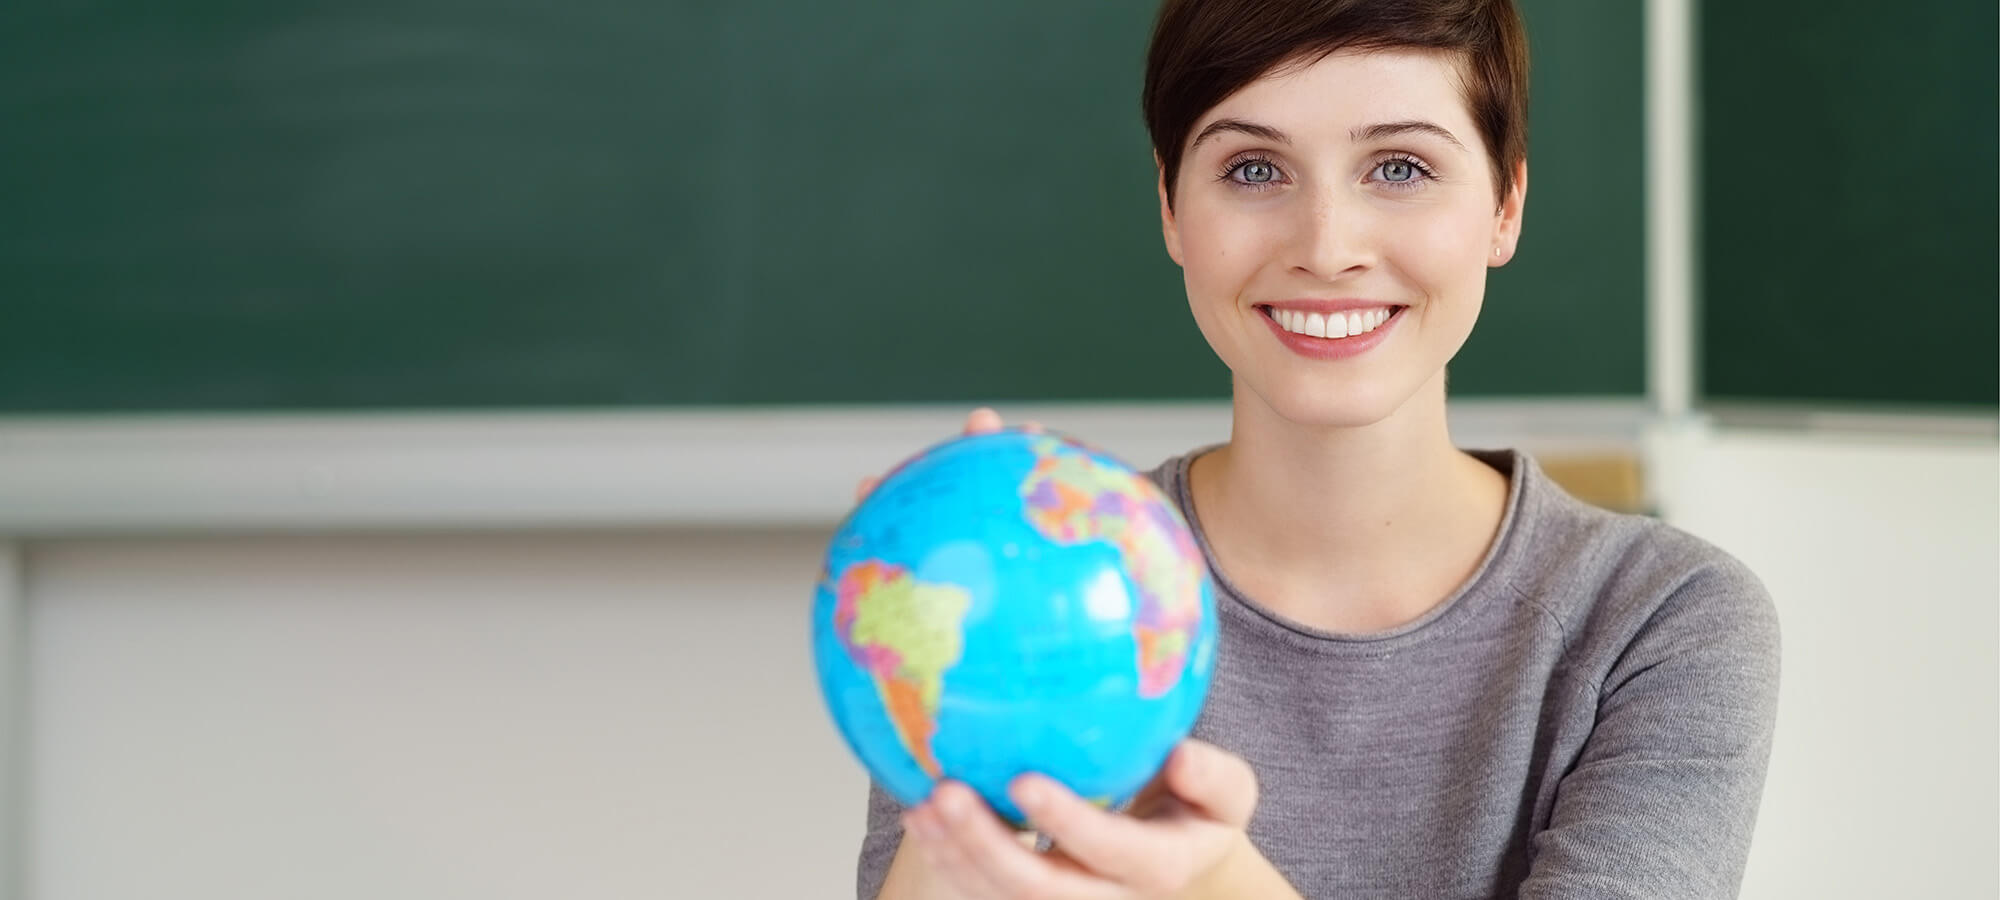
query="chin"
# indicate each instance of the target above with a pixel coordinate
(1333, 405)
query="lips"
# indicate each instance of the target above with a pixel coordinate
(1343, 304)
(1331, 325)
(1330, 348)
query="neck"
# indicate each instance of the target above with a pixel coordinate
(1351, 529)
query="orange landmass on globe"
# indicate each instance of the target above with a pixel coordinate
(905, 634)
(914, 723)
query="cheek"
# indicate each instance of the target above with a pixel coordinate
(1455, 250)
(1219, 258)
(1461, 232)
(1218, 251)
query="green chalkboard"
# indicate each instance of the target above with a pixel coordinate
(1851, 239)
(367, 205)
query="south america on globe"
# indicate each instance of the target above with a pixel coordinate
(1014, 602)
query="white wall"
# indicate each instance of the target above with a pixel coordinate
(1883, 554)
(632, 713)
(575, 716)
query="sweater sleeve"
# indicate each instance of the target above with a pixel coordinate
(878, 846)
(1663, 797)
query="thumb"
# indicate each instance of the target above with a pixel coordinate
(1213, 780)
(982, 421)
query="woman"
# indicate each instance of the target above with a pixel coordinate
(1440, 676)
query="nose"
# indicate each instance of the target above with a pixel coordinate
(1335, 235)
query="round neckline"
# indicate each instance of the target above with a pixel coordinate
(1437, 622)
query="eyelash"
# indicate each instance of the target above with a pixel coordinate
(1425, 171)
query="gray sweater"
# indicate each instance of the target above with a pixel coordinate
(1589, 716)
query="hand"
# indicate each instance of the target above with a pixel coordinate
(1182, 830)
(981, 421)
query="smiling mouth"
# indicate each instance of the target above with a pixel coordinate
(1332, 326)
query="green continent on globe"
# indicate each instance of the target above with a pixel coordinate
(905, 634)
(1071, 497)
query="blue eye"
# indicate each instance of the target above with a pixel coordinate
(1253, 173)
(1402, 172)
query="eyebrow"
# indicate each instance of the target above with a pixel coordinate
(1374, 132)
(1393, 129)
(1222, 126)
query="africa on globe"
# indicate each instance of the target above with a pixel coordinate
(1014, 602)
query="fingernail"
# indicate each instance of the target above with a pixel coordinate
(1029, 794)
(947, 804)
(1191, 764)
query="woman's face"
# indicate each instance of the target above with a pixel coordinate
(1351, 195)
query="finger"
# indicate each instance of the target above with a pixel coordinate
(1032, 427)
(1121, 848)
(954, 812)
(1155, 799)
(1213, 780)
(924, 828)
(982, 421)
(864, 487)
(985, 843)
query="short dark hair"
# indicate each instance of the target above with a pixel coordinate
(1205, 50)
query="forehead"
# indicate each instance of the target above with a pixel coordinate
(1325, 99)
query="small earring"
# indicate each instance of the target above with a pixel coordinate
(1496, 251)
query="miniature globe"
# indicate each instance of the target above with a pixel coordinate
(1014, 602)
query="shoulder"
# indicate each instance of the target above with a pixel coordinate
(1611, 579)
(1168, 474)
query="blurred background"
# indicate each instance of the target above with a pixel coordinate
(420, 422)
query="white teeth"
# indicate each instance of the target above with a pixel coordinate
(1330, 325)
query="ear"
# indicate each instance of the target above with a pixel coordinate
(1507, 220)
(1169, 231)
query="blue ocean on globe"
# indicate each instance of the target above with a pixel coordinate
(1014, 602)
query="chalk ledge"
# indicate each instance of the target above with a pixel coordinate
(781, 466)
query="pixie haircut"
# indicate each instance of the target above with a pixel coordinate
(1205, 50)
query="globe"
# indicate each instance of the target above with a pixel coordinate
(1014, 602)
